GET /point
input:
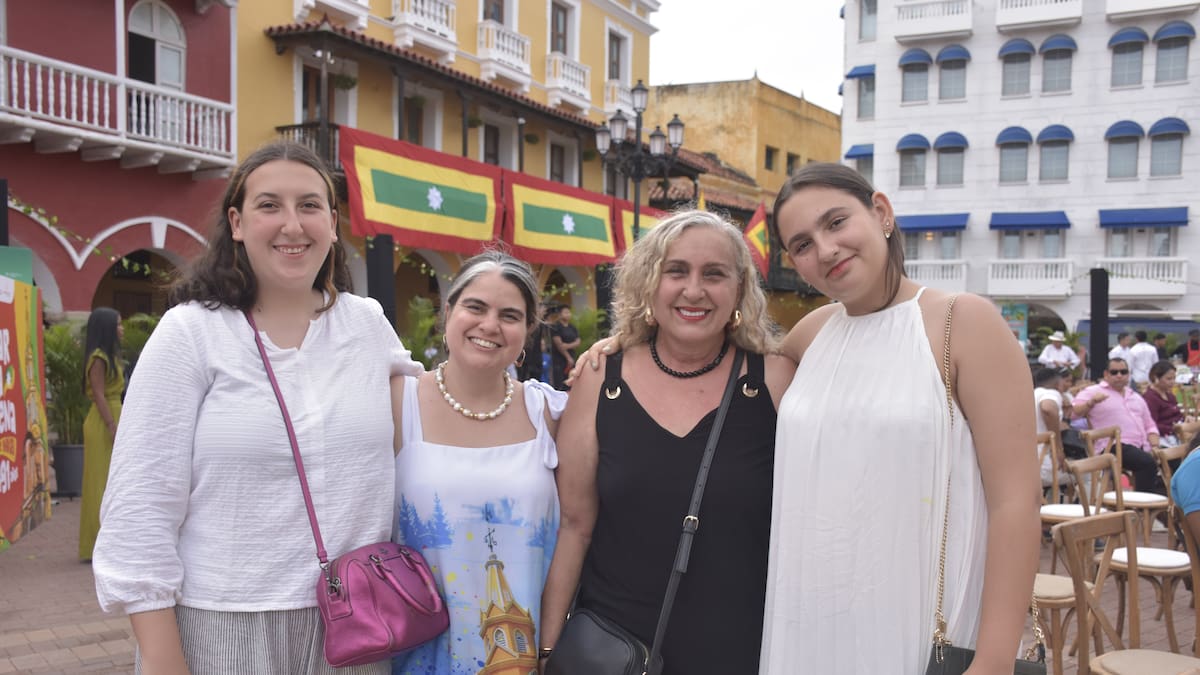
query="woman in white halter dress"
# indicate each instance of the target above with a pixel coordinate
(866, 443)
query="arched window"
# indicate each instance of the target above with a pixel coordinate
(157, 45)
(1016, 56)
(1127, 47)
(500, 638)
(1173, 40)
(1123, 138)
(522, 642)
(1014, 154)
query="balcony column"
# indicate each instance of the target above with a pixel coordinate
(401, 111)
(323, 144)
(464, 101)
(521, 144)
(381, 274)
(578, 158)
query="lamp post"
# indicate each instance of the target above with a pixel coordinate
(629, 158)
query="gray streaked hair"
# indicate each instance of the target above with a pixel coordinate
(517, 272)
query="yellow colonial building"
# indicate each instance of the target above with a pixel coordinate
(517, 85)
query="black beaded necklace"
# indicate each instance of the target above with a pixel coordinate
(691, 373)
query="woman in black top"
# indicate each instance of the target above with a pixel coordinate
(630, 442)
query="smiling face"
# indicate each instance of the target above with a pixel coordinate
(286, 224)
(837, 245)
(487, 325)
(698, 288)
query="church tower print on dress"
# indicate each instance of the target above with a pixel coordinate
(506, 627)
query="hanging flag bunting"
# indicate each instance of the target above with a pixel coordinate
(623, 220)
(548, 222)
(422, 197)
(758, 239)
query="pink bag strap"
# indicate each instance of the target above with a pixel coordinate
(322, 556)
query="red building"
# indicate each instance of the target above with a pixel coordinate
(117, 123)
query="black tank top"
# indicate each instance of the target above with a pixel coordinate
(645, 478)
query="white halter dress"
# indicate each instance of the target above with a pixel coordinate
(863, 451)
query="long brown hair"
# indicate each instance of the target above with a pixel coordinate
(851, 182)
(222, 275)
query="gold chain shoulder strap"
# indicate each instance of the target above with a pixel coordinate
(1036, 651)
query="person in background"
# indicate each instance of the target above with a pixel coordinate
(1122, 350)
(1160, 345)
(1142, 355)
(104, 381)
(1189, 351)
(204, 541)
(1056, 354)
(475, 489)
(565, 338)
(1048, 403)
(1112, 402)
(1160, 399)
(686, 299)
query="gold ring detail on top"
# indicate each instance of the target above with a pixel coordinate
(612, 394)
(439, 375)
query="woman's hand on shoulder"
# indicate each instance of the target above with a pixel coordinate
(592, 357)
(796, 342)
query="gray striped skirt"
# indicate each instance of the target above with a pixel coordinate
(288, 642)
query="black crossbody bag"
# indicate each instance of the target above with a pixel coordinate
(593, 645)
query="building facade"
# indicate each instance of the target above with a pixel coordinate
(1025, 142)
(117, 120)
(519, 85)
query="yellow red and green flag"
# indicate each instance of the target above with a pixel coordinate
(548, 222)
(423, 198)
(758, 240)
(623, 219)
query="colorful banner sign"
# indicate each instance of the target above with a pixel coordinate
(548, 222)
(422, 197)
(623, 218)
(1017, 316)
(24, 459)
(758, 240)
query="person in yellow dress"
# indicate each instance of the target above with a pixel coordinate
(103, 380)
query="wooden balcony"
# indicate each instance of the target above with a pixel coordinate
(63, 107)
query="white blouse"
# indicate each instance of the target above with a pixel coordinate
(203, 506)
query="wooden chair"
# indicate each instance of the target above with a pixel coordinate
(1189, 539)
(1055, 596)
(1165, 456)
(1146, 504)
(1077, 538)
(1053, 509)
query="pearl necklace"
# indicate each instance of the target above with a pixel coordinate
(467, 412)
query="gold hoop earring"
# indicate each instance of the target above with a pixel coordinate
(737, 320)
(521, 359)
(648, 315)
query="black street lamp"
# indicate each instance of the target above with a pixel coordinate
(629, 158)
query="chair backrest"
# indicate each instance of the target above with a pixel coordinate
(1165, 456)
(1189, 538)
(1076, 539)
(1093, 477)
(1092, 436)
(1184, 431)
(1049, 446)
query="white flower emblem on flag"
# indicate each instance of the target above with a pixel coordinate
(434, 196)
(568, 224)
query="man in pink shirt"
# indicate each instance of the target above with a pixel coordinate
(1113, 402)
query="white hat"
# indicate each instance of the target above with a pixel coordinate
(1057, 336)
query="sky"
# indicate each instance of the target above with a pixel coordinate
(795, 45)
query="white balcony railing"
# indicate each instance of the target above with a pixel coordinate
(1146, 277)
(948, 275)
(1022, 14)
(568, 81)
(933, 19)
(352, 12)
(1038, 278)
(54, 98)
(504, 53)
(1129, 9)
(617, 96)
(429, 23)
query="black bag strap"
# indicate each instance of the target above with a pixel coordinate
(692, 521)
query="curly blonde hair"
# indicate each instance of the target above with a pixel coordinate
(640, 270)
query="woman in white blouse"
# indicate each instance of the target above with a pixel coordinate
(204, 538)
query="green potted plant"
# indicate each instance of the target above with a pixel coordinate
(66, 404)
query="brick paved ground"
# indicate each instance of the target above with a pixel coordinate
(50, 622)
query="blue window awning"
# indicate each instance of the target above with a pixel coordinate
(1055, 132)
(861, 150)
(1059, 41)
(1029, 220)
(1165, 217)
(915, 55)
(1168, 125)
(1017, 46)
(913, 142)
(953, 53)
(1124, 129)
(861, 71)
(1128, 35)
(950, 139)
(1175, 29)
(933, 222)
(1014, 135)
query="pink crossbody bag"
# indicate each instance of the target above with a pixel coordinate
(375, 601)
